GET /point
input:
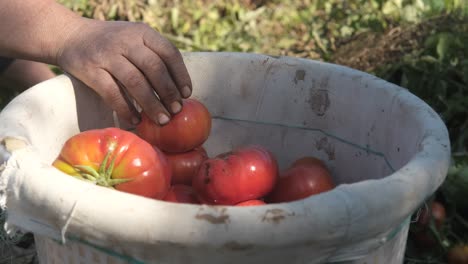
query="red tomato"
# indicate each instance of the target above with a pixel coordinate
(251, 203)
(422, 235)
(438, 214)
(181, 193)
(185, 165)
(304, 178)
(112, 157)
(187, 129)
(458, 254)
(246, 173)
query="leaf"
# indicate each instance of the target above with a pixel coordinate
(431, 41)
(253, 14)
(411, 13)
(112, 13)
(175, 17)
(429, 59)
(392, 8)
(455, 186)
(443, 45)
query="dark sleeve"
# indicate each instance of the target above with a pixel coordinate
(4, 63)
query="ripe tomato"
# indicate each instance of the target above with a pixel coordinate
(251, 203)
(458, 254)
(437, 210)
(422, 234)
(185, 165)
(303, 178)
(181, 193)
(118, 159)
(246, 173)
(187, 129)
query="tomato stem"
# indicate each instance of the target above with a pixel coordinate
(89, 171)
(110, 169)
(443, 243)
(89, 177)
(103, 176)
(102, 168)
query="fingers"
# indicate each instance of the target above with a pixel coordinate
(113, 95)
(172, 58)
(132, 61)
(155, 71)
(138, 87)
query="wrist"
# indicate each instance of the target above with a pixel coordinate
(59, 25)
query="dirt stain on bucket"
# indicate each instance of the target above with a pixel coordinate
(327, 147)
(221, 218)
(244, 90)
(236, 246)
(300, 74)
(319, 101)
(275, 216)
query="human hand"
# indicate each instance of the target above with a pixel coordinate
(123, 61)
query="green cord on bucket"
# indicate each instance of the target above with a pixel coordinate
(104, 250)
(397, 230)
(393, 233)
(366, 148)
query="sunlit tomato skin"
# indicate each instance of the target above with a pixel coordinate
(138, 168)
(251, 203)
(247, 173)
(185, 165)
(458, 254)
(301, 180)
(181, 193)
(185, 131)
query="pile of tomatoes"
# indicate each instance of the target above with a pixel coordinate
(169, 163)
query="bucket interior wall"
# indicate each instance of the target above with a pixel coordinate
(305, 108)
(294, 108)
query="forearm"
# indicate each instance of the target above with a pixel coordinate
(34, 29)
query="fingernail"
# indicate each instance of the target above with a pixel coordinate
(163, 119)
(186, 92)
(175, 107)
(135, 120)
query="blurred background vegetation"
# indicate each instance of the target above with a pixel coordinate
(421, 45)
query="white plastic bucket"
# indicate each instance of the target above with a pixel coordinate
(386, 148)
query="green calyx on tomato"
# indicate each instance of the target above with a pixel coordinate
(103, 176)
(117, 158)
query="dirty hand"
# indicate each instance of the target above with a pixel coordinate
(122, 61)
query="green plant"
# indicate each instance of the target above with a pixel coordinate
(438, 73)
